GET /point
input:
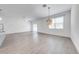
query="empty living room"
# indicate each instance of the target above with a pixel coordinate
(39, 28)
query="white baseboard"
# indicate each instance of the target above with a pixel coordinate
(75, 44)
(55, 35)
(17, 32)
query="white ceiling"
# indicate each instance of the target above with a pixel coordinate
(31, 10)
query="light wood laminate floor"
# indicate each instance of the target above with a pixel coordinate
(37, 43)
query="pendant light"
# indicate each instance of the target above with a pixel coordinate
(0, 13)
(49, 20)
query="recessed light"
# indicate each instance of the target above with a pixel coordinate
(0, 18)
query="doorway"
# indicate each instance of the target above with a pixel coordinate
(34, 27)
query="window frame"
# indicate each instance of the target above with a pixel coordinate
(58, 23)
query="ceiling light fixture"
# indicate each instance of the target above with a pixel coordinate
(44, 5)
(49, 21)
(49, 18)
(0, 18)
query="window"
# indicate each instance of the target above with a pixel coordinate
(57, 23)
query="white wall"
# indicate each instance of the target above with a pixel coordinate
(43, 27)
(15, 25)
(75, 25)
